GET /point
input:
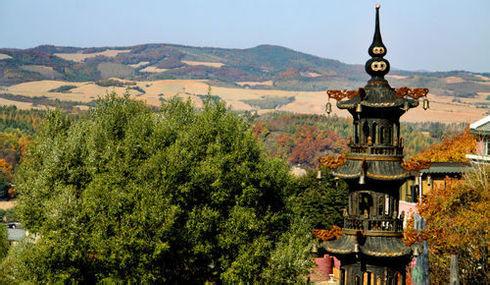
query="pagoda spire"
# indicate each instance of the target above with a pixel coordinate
(377, 66)
(377, 40)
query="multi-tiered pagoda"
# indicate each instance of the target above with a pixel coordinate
(370, 249)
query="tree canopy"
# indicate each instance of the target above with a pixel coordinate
(178, 196)
(452, 149)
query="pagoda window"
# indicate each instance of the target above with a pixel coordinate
(381, 135)
(380, 205)
(389, 135)
(395, 205)
(396, 132)
(356, 133)
(374, 137)
(387, 204)
(351, 202)
(365, 132)
(365, 204)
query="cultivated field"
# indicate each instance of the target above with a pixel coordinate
(442, 109)
(152, 69)
(204, 63)
(79, 57)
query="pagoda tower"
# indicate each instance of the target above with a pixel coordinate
(370, 248)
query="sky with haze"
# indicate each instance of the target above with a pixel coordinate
(435, 35)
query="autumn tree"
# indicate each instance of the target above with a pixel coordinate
(458, 222)
(301, 138)
(452, 149)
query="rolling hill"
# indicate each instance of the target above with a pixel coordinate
(265, 77)
(286, 68)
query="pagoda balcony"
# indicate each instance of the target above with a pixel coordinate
(377, 150)
(373, 224)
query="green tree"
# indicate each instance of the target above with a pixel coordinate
(4, 243)
(180, 196)
(290, 261)
(319, 201)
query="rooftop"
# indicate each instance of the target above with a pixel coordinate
(481, 126)
(16, 234)
(447, 167)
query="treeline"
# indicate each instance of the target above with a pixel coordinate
(298, 138)
(303, 139)
(69, 106)
(25, 121)
(17, 127)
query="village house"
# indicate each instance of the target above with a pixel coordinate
(481, 130)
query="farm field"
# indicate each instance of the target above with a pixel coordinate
(442, 109)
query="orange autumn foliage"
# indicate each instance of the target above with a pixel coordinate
(457, 215)
(411, 235)
(457, 222)
(330, 234)
(332, 161)
(310, 141)
(5, 167)
(452, 149)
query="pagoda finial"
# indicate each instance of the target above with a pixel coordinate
(377, 66)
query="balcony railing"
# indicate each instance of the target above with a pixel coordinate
(374, 224)
(377, 150)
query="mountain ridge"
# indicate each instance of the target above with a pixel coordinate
(286, 68)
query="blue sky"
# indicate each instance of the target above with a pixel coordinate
(419, 34)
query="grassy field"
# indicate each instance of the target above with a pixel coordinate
(79, 57)
(152, 69)
(443, 108)
(204, 63)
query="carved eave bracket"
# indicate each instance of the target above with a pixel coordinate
(342, 94)
(414, 93)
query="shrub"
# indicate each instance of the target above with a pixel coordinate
(269, 102)
(63, 89)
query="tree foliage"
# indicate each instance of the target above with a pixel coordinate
(181, 196)
(331, 161)
(458, 222)
(319, 201)
(302, 139)
(453, 149)
(4, 243)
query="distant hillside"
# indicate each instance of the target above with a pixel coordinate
(262, 67)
